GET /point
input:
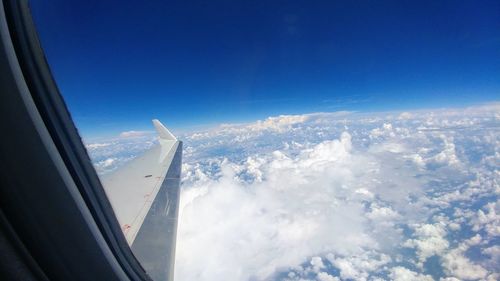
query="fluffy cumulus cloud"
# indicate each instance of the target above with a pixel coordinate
(399, 273)
(339, 196)
(431, 240)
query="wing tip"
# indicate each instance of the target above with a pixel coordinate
(163, 132)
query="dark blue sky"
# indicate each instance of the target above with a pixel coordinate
(121, 63)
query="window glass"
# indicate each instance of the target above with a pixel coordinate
(322, 140)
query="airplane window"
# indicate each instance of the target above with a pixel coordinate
(312, 140)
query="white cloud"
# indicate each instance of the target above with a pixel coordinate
(400, 273)
(97, 145)
(134, 134)
(386, 130)
(447, 156)
(323, 276)
(111, 154)
(306, 188)
(317, 264)
(279, 123)
(405, 116)
(275, 222)
(488, 218)
(430, 240)
(493, 252)
(360, 266)
(459, 266)
(347, 270)
(382, 213)
(330, 196)
(108, 162)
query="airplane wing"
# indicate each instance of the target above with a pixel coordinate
(145, 198)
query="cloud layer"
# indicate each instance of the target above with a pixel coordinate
(342, 196)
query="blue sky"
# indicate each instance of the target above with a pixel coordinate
(191, 63)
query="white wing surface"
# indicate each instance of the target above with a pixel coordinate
(145, 198)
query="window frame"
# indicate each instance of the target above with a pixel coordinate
(59, 175)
